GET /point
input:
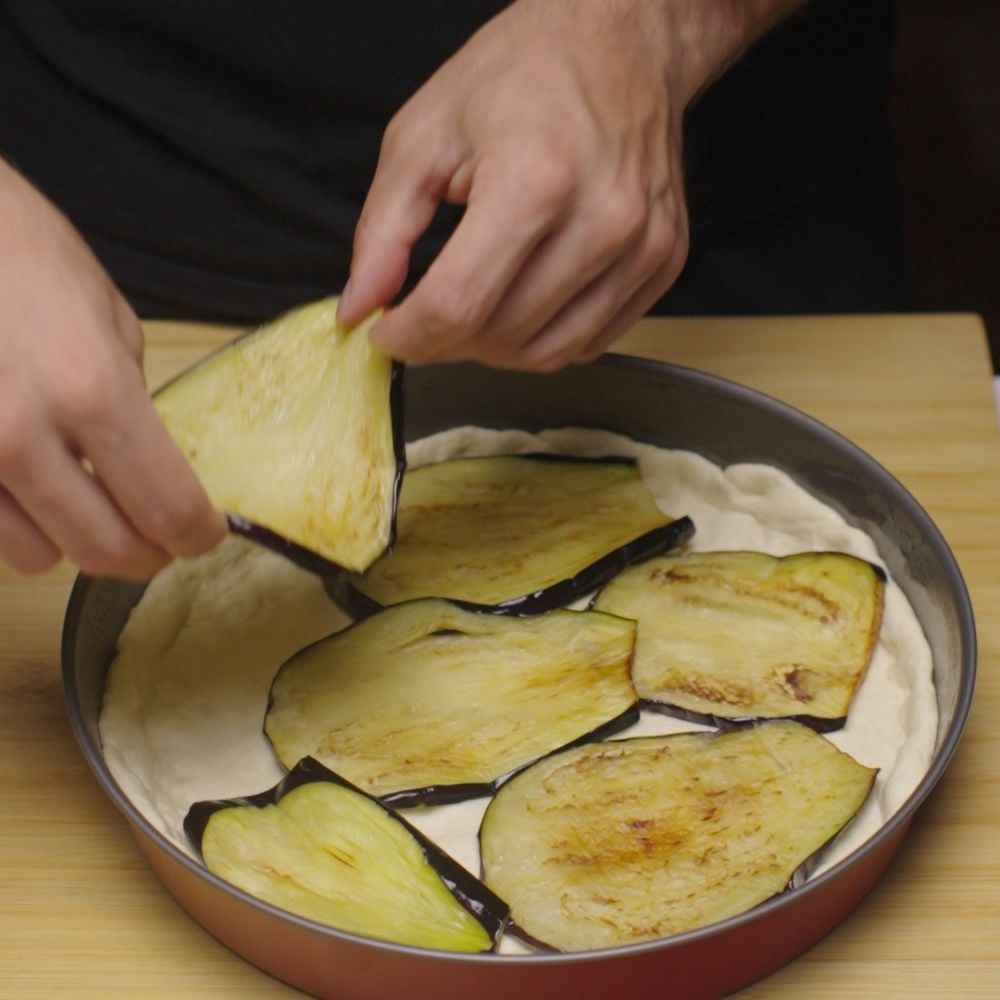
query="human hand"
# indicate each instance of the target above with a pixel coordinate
(87, 469)
(558, 125)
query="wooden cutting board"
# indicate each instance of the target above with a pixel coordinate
(82, 917)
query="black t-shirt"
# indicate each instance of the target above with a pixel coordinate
(216, 154)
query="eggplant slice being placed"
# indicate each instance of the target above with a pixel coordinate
(612, 843)
(726, 637)
(427, 702)
(516, 533)
(320, 848)
(294, 431)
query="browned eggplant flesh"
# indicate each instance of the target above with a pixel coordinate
(521, 533)
(744, 635)
(295, 432)
(429, 702)
(613, 843)
(319, 848)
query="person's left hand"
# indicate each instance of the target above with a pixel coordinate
(558, 125)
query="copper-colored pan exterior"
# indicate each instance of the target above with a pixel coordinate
(699, 966)
(671, 407)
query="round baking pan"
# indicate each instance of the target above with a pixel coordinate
(667, 406)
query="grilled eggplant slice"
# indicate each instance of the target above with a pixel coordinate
(295, 431)
(516, 533)
(731, 636)
(428, 702)
(613, 843)
(318, 847)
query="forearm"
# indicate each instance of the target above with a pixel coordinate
(715, 33)
(698, 40)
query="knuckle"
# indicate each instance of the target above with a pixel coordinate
(661, 243)
(548, 182)
(669, 268)
(555, 173)
(623, 218)
(452, 313)
(677, 230)
(665, 251)
(175, 521)
(681, 248)
(85, 393)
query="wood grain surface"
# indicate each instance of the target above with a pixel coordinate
(82, 917)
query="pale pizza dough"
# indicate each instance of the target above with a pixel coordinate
(185, 697)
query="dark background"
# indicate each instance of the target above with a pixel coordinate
(946, 129)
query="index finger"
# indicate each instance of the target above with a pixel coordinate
(512, 208)
(411, 179)
(141, 467)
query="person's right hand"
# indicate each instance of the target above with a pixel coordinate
(87, 469)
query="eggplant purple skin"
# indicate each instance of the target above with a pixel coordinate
(474, 895)
(724, 723)
(307, 558)
(358, 605)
